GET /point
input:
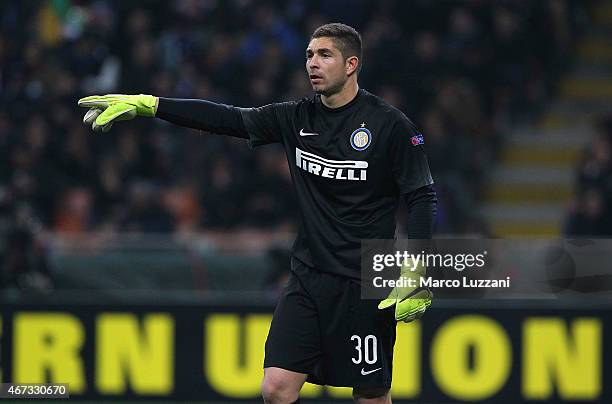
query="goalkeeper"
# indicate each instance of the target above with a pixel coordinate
(352, 157)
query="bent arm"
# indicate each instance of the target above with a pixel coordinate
(204, 115)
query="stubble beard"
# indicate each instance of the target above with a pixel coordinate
(334, 89)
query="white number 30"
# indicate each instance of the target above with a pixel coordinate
(368, 350)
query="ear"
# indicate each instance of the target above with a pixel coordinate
(352, 63)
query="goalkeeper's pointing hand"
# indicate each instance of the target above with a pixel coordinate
(104, 110)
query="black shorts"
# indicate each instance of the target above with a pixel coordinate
(322, 327)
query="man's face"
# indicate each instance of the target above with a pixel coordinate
(326, 66)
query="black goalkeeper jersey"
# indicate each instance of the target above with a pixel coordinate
(349, 166)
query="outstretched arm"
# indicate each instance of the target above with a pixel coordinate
(203, 115)
(105, 110)
(261, 125)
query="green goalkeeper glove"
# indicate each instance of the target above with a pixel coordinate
(410, 302)
(104, 110)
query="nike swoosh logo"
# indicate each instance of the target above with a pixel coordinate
(302, 133)
(364, 373)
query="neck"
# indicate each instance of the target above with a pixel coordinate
(342, 97)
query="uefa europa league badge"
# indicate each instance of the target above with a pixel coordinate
(361, 138)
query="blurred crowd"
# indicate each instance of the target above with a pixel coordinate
(463, 71)
(590, 211)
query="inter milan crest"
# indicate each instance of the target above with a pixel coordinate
(361, 138)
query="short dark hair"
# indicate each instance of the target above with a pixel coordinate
(346, 39)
